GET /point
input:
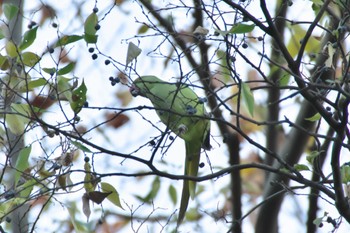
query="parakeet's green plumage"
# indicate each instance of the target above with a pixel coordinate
(180, 109)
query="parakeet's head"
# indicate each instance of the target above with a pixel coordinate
(141, 86)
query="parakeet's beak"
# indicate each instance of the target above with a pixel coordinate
(135, 91)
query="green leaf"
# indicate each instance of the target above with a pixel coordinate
(30, 59)
(318, 2)
(248, 98)
(17, 121)
(26, 189)
(65, 70)
(36, 83)
(222, 56)
(345, 173)
(68, 39)
(90, 39)
(79, 227)
(11, 49)
(90, 28)
(172, 194)
(143, 29)
(311, 157)
(114, 196)
(298, 34)
(133, 52)
(50, 71)
(301, 167)
(2, 34)
(28, 38)
(192, 215)
(80, 146)
(241, 28)
(4, 63)
(284, 80)
(64, 87)
(314, 118)
(78, 98)
(10, 11)
(317, 221)
(90, 24)
(154, 190)
(22, 163)
(89, 178)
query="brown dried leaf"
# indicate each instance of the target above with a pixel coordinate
(123, 78)
(62, 182)
(97, 196)
(63, 57)
(42, 102)
(124, 97)
(47, 12)
(116, 120)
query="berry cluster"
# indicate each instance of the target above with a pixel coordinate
(114, 80)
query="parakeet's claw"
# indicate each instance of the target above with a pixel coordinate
(182, 129)
(191, 110)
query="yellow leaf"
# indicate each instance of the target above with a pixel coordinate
(114, 196)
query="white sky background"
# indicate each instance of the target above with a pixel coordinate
(115, 28)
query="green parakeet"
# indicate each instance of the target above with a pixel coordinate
(180, 109)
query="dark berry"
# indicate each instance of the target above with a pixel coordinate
(329, 219)
(328, 108)
(8, 219)
(244, 46)
(94, 56)
(97, 27)
(51, 50)
(111, 78)
(201, 165)
(95, 10)
(116, 80)
(86, 159)
(31, 24)
(260, 38)
(152, 143)
(54, 25)
(107, 62)
(91, 50)
(171, 138)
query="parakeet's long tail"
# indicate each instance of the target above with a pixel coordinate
(191, 169)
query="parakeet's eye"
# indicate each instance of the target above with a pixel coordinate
(135, 91)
